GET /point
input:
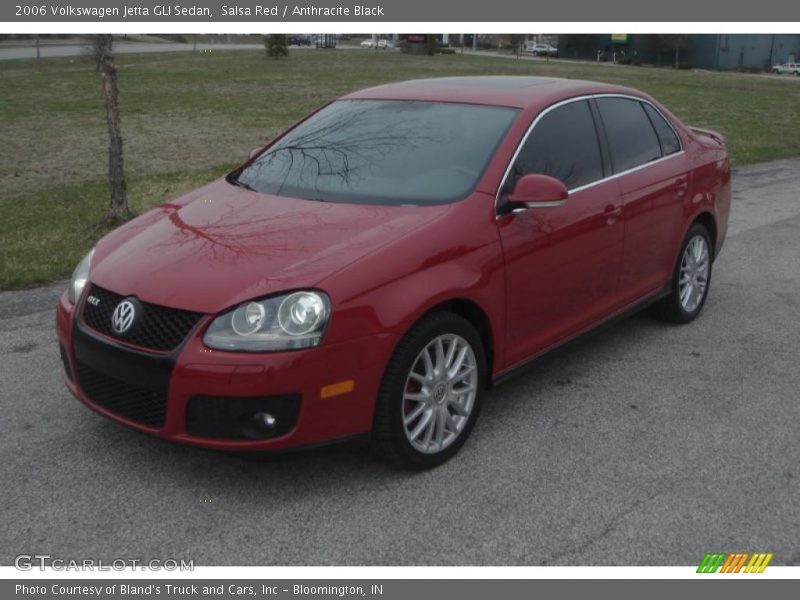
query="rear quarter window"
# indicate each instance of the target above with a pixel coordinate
(666, 135)
(631, 137)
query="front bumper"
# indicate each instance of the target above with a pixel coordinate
(185, 396)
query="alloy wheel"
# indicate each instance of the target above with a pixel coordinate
(695, 266)
(439, 393)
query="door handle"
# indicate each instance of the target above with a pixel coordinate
(681, 186)
(612, 213)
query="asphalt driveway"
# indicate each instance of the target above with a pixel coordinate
(647, 444)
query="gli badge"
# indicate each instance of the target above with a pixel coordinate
(123, 316)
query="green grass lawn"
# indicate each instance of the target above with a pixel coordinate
(188, 118)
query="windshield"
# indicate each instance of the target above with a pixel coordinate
(381, 152)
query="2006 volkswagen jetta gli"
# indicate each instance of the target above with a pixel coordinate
(376, 267)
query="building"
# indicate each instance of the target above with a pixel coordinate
(726, 51)
(705, 51)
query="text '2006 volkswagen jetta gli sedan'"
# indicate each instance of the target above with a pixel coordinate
(380, 264)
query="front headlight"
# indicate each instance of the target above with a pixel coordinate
(288, 322)
(79, 278)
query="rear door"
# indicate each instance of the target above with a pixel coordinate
(562, 262)
(651, 168)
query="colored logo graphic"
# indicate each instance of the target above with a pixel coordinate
(734, 563)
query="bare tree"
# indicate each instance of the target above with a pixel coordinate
(431, 44)
(118, 211)
(672, 43)
(277, 45)
(517, 41)
(97, 49)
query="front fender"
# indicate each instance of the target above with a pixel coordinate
(457, 259)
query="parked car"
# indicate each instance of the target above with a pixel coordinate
(378, 266)
(380, 44)
(791, 68)
(541, 49)
(299, 40)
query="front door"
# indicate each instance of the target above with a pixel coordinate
(562, 263)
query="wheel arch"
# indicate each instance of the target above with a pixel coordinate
(707, 220)
(477, 317)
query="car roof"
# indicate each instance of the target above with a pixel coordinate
(517, 92)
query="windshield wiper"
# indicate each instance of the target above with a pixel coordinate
(236, 181)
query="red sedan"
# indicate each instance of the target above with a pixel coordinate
(373, 270)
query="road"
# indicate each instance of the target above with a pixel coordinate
(53, 50)
(647, 444)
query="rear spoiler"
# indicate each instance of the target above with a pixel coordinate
(714, 135)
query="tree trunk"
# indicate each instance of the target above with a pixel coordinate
(118, 211)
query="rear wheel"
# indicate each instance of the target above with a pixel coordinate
(690, 280)
(431, 392)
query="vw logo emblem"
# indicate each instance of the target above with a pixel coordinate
(122, 317)
(439, 392)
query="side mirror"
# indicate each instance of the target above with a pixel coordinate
(538, 191)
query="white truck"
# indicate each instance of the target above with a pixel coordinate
(790, 68)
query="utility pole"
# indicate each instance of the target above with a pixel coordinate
(772, 60)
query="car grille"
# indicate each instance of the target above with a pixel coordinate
(139, 404)
(157, 328)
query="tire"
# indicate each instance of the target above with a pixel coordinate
(680, 307)
(415, 395)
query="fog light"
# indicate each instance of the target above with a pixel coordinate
(265, 420)
(259, 425)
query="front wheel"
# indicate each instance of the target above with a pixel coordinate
(431, 392)
(690, 280)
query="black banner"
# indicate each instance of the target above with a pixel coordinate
(395, 589)
(394, 11)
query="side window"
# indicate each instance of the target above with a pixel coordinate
(631, 137)
(666, 135)
(563, 145)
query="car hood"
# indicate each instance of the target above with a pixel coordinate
(222, 245)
